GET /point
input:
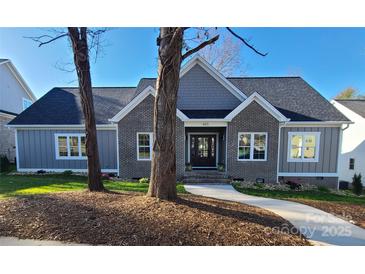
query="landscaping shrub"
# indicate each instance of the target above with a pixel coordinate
(356, 184)
(144, 180)
(4, 163)
(294, 185)
(67, 172)
(259, 185)
(323, 189)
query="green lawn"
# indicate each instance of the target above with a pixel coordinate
(16, 185)
(305, 194)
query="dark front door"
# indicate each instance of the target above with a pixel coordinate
(203, 150)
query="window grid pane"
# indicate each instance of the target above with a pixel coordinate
(62, 146)
(71, 146)
(74, 146)
(83, 146)
(144, 146)
(304, 146)
(259, 146)
(296, 146)
(244, 146)
(309, 147)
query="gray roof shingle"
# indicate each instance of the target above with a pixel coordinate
(292, 96)
(62, 106)
(356, 105)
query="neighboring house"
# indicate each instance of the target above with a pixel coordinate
(268, 128)
(15, 96)
(352, 158)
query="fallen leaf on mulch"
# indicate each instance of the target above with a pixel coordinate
(133, 219)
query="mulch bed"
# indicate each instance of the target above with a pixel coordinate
(133, 219)
(349, 212)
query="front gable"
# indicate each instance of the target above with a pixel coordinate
(202, 88)
(147, 92)
(256, 98)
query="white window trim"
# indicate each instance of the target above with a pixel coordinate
(68, 157)
(252, 145)
(151, 144)
(28, 101)
(318, 142)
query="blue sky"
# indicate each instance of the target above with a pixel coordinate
(330, 59)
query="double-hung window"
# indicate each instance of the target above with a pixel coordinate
(252, 146)
(70, 146)
(303, 146)
(144, 146)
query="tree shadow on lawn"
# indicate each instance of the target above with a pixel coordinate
(132, 219)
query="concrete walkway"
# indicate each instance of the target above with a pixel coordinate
(13, 241)
(316, 225)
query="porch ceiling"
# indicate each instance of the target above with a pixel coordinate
(206, 114)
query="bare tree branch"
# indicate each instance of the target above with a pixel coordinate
(245, 42)
(49, 39)
(202, 45)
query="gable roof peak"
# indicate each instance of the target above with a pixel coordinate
(256, 97)
(198, 60)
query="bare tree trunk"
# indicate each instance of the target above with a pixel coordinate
(163, 169)
(81, 59)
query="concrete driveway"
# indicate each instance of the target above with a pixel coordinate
(316, 225)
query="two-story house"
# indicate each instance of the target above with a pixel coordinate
(15, 96)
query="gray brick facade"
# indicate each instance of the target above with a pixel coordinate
(253, 119)
(7, 138)
(140, 119)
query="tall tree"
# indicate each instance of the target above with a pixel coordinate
(170, 55)
(225, 56)
(349, 93)
(80, 47)
(78, 37)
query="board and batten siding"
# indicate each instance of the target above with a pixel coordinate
(36, 150)
(328, 151)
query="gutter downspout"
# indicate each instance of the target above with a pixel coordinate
(339, 151)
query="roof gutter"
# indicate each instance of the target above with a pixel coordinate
(80, 126)
(318, 123)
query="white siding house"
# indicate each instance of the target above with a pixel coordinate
(15, 96)
(352, 158)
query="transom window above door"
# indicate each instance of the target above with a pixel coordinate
(252, 146)
(70, 146)
(303, 146)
